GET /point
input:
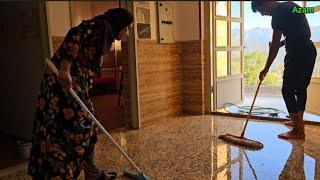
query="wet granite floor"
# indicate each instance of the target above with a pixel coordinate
(188, 148)
(270, 102)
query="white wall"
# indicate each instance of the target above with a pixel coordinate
(59, 17)
(186, 20)
(100, 7)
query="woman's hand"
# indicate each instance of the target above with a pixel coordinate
(65, 80)
(64, 76)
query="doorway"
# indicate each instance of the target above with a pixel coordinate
(240, 49)
(108, 102)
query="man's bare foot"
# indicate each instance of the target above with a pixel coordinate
(288, 123)
(291, 135)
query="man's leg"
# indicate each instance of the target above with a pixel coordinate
(288, 122)
(303, 80)
(302, 85)
(298, 128)
(300, 114)
(289, 95)
(302, 100)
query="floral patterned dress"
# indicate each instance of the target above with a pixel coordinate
(63, 135)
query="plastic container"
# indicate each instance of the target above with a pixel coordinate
(24, 147)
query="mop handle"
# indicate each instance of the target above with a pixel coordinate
(55, 70)
(249, 115)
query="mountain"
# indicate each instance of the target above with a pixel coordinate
(257, 39)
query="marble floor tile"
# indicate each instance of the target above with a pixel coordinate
(184, 148)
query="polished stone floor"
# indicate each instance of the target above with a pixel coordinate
(188, 148)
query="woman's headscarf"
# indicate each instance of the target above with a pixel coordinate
(119, 18)
(111, 23)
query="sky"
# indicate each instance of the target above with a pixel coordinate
(253, 20)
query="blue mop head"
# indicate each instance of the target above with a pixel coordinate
(135, 176)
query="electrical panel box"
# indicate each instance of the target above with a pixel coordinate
(165, 21)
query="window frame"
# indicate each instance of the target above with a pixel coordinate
(229, 48)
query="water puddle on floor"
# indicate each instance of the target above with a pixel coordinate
(279, 159)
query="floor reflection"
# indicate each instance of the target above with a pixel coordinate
(294, 167)
(188, 148)
(279, 159)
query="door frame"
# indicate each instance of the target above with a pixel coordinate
(135, 120)
(209, 11)
(229, 49)
(314, 80)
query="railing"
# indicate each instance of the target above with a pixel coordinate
(265, 90)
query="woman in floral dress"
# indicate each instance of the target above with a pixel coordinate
(64, 136)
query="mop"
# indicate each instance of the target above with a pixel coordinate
(141, 175)
(241, 140)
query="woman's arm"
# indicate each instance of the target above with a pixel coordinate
(64, 77)
(66, 54)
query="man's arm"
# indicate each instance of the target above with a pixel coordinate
(273, 51)
(282, 43)
(274, 48)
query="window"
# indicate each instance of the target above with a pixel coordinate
(222, 32)
(235, 34)
(234, 153)
(223, 175)
(228, 44)
(235, 62)
(235, 171)
(221, 8)
(235, 9)
(222, 155)
(222, 63)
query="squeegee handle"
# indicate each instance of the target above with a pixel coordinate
(55, 70)
(250, 111)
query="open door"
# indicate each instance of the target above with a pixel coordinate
(313, 103)
(227, 42)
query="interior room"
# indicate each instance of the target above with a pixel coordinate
(187, 73)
